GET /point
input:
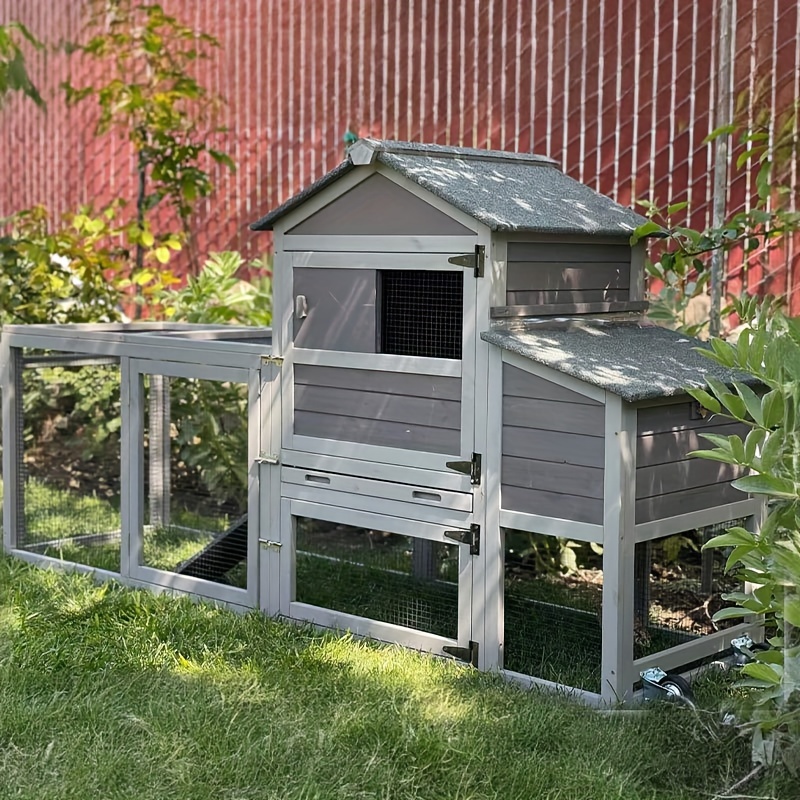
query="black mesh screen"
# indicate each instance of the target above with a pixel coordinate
(382, 576)
(421, 313)
(553, 600)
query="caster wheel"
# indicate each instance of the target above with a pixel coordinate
(677, 689)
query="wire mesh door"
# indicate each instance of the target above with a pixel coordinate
(194, 454)
(387, 578)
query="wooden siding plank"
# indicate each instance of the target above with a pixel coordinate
(551, 504)
(552, 477)
(377, 432)
(569, 252)
(519, 383)
(378, 206)
(677, 417)
(340, 307)
(679, 475)
(563, 296)
(685, 501)
(533, 275)
(661, 448)
(553, 446)
(430, 386)
(430, 412)
(549, 415)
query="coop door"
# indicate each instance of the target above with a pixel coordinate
(387, 578)
(383, 358)
(193, 496)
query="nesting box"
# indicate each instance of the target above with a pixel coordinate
(460, 434)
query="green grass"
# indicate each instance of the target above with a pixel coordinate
(114, 693)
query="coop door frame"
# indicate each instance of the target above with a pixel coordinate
(363, 626)
(463, 368)
(133, 487)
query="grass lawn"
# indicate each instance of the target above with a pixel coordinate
(111, 693)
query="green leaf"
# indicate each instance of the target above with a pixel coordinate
(162, 254)
(731, 613)
(766, 484)
(647, 229)
(751, 401)
(147, 239)
(705, 400)
(791, 610)
(762, 672)
(723, 130)
(733, 537)
(674, 208)
(772, 409)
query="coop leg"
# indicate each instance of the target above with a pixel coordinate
(423, 564)
(158, 450)
(14, 451)
(706, 570)
(641, 607)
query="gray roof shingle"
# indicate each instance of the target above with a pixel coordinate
(505, 191)
(637, 361)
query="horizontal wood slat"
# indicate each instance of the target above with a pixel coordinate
(426, 411)
(554, 446)
(551, 504)
(547, 476)
(377, 432)
(678, 417)
(569, 252)
(401, 383)
(560, 297)
(686, 501)
(537, 276)
(661, 448)
(663, 479)
(549, 415)
(518, 383)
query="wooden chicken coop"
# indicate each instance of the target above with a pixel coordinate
(463, 436)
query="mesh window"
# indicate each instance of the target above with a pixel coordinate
(381, 576)
(421, 313)
(553, 602)
(195, 520)
(69, 470)
(679, 588)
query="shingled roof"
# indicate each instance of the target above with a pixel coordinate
(635, 360)
(504, 191)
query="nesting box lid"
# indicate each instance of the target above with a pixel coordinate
(635, 360)
(511, 192)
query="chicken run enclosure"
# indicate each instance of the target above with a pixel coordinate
(460, 434)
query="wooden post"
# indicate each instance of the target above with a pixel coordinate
(619, 492)
(13, 447)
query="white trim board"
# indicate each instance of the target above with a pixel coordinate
(380, 362)
(658, 528)
(449, 245)
(550, 526)
(554, 376)
(372, 260)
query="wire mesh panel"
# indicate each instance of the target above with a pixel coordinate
(69, 472)
(196, 467)
(679, 588)
(421, 313)
(552, 609)
(378, 575)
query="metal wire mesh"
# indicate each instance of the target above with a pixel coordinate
(378, 575)
(421, 313)
(69, 472)
(552, 609)
(679, 588)
(195, 520)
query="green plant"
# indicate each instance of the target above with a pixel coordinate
(13, 70)
(768, 560)
(153, 96)
(679, 260)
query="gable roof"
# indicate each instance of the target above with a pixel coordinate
(635, 360)
(505, 191)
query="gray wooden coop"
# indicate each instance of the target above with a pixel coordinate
(458, 392)
(464, 356)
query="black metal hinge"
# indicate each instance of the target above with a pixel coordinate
(470, 536)
(471, 468)
(474, 261)
(468, 654)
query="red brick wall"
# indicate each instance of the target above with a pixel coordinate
(621, 92)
